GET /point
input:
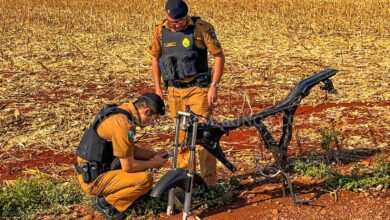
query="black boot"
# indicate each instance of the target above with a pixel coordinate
(108, 211)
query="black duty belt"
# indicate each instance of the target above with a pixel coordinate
(201, 81)
(91, 170)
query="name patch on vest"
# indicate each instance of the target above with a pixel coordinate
(170, 44)
(186, 42)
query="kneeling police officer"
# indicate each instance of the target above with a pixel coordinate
(109, 164)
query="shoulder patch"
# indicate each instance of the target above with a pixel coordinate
(214, 38)
(212, 33)
(207, 28)
(131, 135)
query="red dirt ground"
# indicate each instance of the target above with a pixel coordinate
(15, 163)
(264, 200)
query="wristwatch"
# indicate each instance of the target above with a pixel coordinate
(215, 84)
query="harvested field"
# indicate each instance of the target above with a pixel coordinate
(61, 60)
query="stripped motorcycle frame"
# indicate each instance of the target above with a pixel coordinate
(208, 135)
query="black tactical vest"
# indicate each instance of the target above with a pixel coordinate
(94, 148)
(180, 57)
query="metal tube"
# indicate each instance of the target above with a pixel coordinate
(176, 142)
(187, 204)
(187, 114)
(188, 195)
(171, 205)
(184, 124)
(171, 193)
(193, 145)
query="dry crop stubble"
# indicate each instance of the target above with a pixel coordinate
(62, 60)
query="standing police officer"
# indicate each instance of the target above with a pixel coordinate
(109, 164)
(179, 52)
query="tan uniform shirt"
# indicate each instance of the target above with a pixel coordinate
(120, 131)
(204, 37)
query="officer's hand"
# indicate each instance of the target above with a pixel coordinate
(158, 161)
(162, 151)
(160, 93)
(212, 95)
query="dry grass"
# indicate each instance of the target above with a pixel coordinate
(61, 60)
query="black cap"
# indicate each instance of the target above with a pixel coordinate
(176, 8)
(157, 102)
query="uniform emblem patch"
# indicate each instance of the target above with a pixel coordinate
(186, 42)
(214, 38)
(212, 34)
(131, 135)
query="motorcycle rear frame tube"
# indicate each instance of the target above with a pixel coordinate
(285, 179)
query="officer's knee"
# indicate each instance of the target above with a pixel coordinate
(147, 181)
(150, 181)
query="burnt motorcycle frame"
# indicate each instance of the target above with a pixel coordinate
(208, 135)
